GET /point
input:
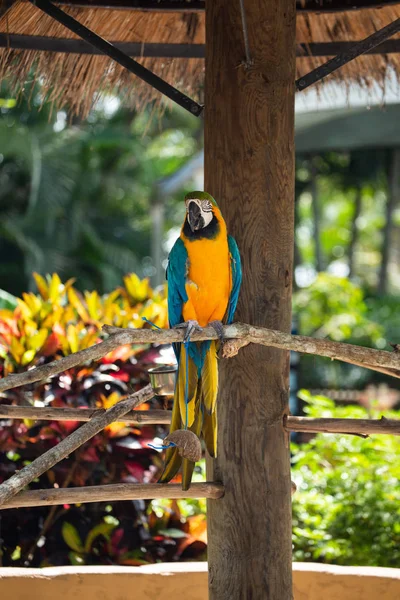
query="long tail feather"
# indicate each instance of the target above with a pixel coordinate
(188, 465)
(209, 378)
(200, 412)
(172, 459)
(209, 431)
(187, 412)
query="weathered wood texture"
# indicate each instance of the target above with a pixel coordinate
(40, 465)
(110, 493)
(362, 427)
(249, 169)
(48, 413)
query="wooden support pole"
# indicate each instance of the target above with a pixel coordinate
(111, 493)
(249, 169)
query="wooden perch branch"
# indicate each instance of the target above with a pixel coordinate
(111, 493)
(39, 466)
(47, 413)
(163, 417)
(378, 360)
(362, 427)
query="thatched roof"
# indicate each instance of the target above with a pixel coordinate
(75, 79)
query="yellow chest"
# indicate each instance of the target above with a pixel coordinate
(208, 280)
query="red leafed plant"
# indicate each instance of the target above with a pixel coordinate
(45, 326)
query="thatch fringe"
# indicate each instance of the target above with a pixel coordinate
(76, 80)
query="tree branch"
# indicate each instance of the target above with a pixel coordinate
(47, 413)
(377, 360)
(362, 427)
(22, 478)
(113, 492)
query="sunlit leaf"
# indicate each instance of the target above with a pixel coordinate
(41, 285)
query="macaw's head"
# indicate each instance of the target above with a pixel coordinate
(203, 216)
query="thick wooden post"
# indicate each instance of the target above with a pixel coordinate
(249, 169)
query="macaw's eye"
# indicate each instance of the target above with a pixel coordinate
(206, 206)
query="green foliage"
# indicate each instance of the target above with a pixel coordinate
(75, 199)
(346, 510)
(45, 326)
(334, 307)
(340, 177)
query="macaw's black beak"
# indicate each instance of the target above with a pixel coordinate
(195, 218)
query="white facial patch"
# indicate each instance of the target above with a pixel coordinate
(205, 208)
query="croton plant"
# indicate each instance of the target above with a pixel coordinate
(43, 326)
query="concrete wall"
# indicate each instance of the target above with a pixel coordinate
(187, 581)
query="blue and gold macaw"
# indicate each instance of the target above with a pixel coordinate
(204, 277)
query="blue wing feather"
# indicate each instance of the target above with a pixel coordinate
(236, 267)
(176, 277)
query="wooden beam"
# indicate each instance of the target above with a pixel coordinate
(155, 50)
(48, 413)
(195, 6)
(361, 427)
(249, 169)
(333, 6)
(157, 417)
(334, 48)
(184, 6)
(119, 57)
(343, 58)
(73, 46)
(112, 493)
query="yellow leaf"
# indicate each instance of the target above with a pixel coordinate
(111, 297)
(68, 315)
(28, 357)
(68, 283)
(41, 285)
(17, 350)
(93, 304)
(109, 401)
(33, 302)
(55, 288)
(131, 282)
(26, 312)
(108, 314)
(72, 337)
(35, 342)
(29, 328)
(78, 304)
